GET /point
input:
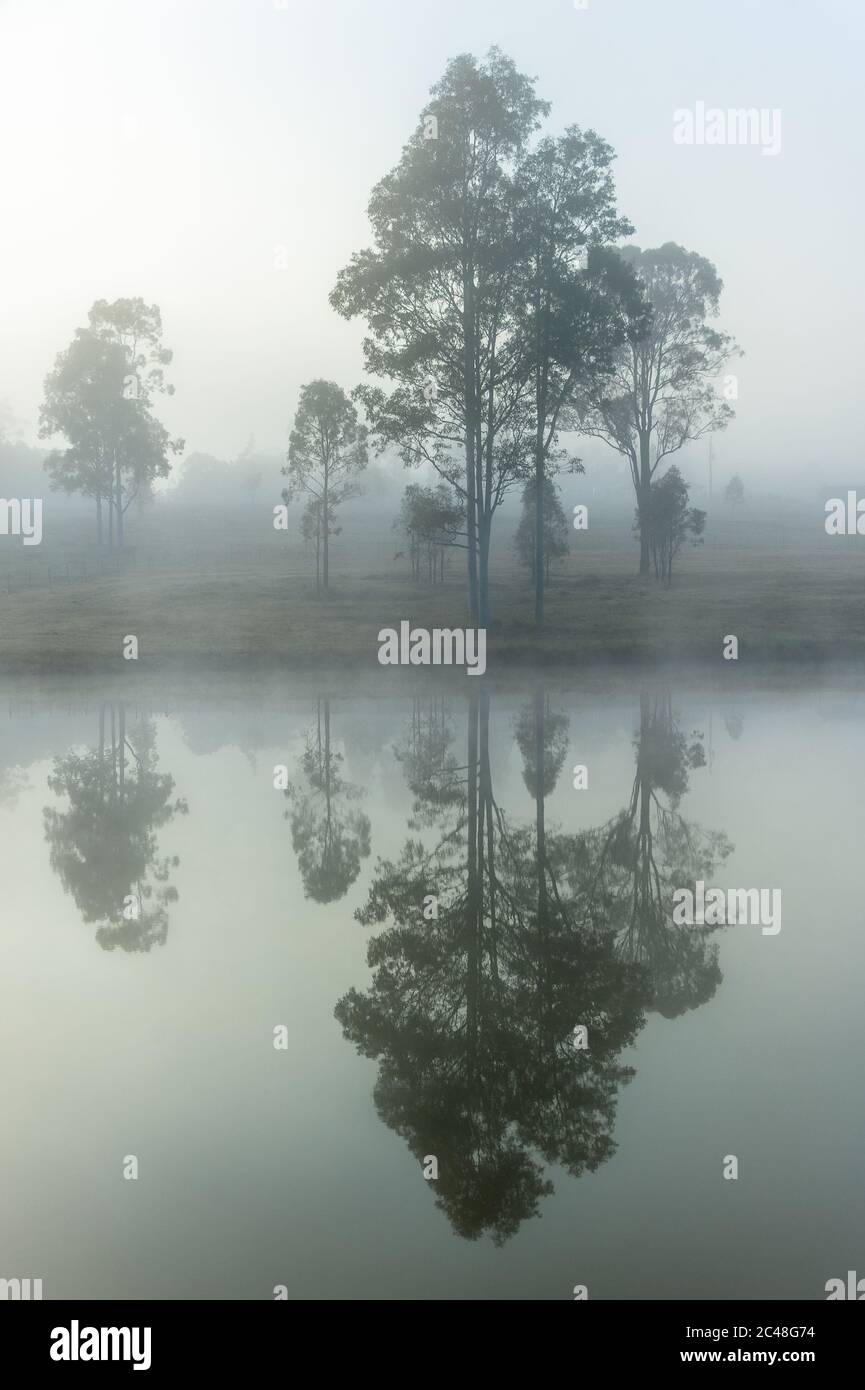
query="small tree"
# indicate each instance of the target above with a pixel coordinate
(670, 521)
(99, 395)
(555, 529)
(326, 451)
(734, 492)
(661, 396)
(432, 519)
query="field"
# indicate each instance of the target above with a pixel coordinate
(224, 592)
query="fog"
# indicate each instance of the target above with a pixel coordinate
(431, 653)
(168, 150)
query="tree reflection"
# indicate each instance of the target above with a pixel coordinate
(329, 834)
(431, 769)
(472, 1014)
(104, 846)
(628, 869)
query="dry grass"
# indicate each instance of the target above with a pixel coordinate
(802, 602)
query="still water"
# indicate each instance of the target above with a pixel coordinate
(422, 913)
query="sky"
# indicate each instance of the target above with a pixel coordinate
(181, 149)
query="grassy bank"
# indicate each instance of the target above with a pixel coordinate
(255, 615)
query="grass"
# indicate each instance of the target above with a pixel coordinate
(224, 594)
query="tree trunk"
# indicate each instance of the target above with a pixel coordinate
(119, 489)
(643, 499)
(121, 726)
(539, 534)
(471, 425)
(540, 422)
(99, 518)
(113, 756)
(540, 827)
(484, 585)
(326, 528)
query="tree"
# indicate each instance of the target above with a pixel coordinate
(99, 395)
(326, 451)
(570, 297)
(669, 521)
(431, 521)
(661, 396)
(554, 545)
(437, 292)
(84, 401)
(734, 492)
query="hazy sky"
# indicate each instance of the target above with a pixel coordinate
(166, 149)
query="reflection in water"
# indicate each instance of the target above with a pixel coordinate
(631, 866)
(734, 724)
(472, 1011)
(328, 834)
(104, 848)
(13, 781)
(554, 916)
(431, 769)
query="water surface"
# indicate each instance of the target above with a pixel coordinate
(166, 908)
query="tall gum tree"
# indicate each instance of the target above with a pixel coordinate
(436, 291)
(571, 292)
